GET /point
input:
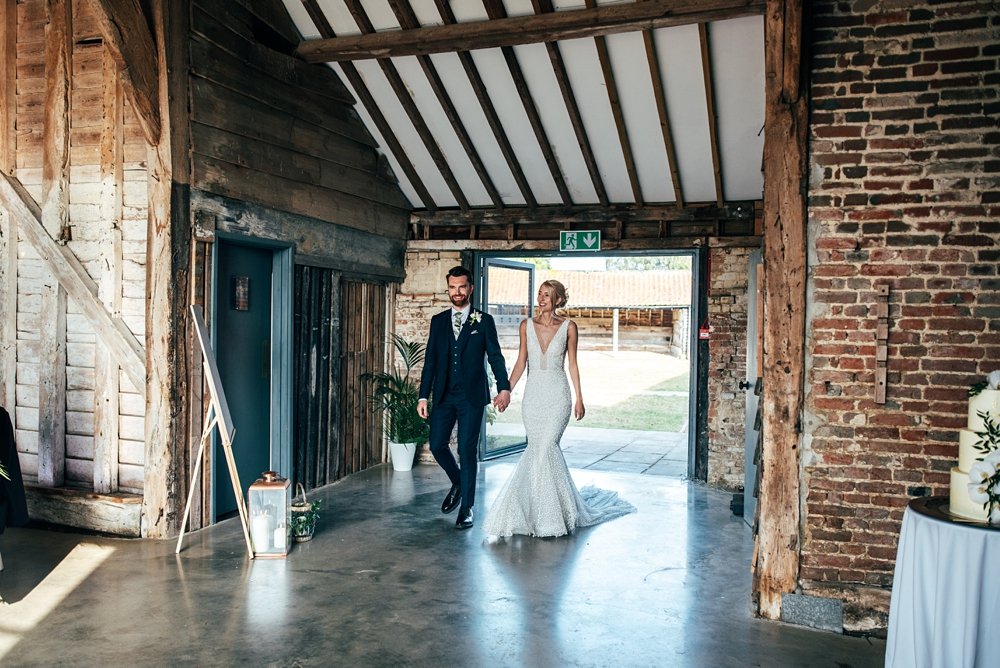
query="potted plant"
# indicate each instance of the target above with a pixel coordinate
(395, 395)
(304, 514)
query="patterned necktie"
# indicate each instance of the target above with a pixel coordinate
(457, 323)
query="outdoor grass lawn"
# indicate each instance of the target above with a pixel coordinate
(642, 412)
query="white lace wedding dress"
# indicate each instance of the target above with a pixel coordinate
(540, 498)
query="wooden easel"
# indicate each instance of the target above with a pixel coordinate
(218, 415)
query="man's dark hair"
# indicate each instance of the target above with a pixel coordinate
(457, 272)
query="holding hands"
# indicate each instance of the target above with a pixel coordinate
(502, 400)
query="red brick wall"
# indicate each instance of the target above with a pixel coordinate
(904, 190)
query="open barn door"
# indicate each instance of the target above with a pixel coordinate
(510, 300)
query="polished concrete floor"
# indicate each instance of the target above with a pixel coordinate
(388, 581)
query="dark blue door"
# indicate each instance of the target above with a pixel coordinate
(243, 351)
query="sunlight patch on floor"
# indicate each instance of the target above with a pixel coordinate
(18, 618)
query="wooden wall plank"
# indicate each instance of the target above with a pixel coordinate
(73, 277)
(54, 216)
(292, 165)
(239, 182)
(785, 133)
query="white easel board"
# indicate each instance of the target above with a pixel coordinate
(218, 415)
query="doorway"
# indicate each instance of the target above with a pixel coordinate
(637, 354)
(252, 325)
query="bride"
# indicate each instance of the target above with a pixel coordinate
(540, 498)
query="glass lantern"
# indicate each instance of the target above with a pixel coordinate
(269, 507)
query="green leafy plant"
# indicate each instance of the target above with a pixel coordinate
(395, 394)
(304, 521)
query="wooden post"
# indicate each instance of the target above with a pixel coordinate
(168, 256)
(785, 130)
(109, 291)
(55, 217)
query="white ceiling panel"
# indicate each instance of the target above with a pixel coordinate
(679, 52)
(548, 98)
(736, 54)
(737, 48)
(584, 68)
(510, 109)
(635, 90)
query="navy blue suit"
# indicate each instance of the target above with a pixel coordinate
(454, 379)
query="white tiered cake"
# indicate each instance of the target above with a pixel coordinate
(987, 401)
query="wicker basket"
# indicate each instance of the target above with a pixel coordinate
(304, 516)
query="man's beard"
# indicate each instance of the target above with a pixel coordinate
(460, 304)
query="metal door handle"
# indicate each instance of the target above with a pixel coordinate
(745, 384)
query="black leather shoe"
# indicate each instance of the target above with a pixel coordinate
(464, 520)
(451, 501)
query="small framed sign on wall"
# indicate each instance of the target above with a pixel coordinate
(241, 293)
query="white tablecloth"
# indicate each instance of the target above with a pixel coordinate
(945, 607)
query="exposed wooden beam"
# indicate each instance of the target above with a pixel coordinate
(661, 110)
(584, 214)
(126, 35)
(54, 216)
(492, 118)
(786, 128)
(713, 125)
(533, 29)
(368, 102)
(8, 89)
(408, 21)
(109, 288)
(616, 112)
(496, 11)
(569, 99)
(72, 276)
(168, 290)
(402, 92)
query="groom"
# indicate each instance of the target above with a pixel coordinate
(454, 376)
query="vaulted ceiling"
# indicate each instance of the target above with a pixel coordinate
(554, 108)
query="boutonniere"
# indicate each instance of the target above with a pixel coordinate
(474, 317)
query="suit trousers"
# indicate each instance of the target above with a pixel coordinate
(454, 407)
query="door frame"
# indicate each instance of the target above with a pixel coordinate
(697, 459)
(282, 287)
(480, 297)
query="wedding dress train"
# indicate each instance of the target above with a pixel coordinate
(540, 498)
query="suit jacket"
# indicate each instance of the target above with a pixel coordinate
(477, 340)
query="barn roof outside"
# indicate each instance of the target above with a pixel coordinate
(602, 289)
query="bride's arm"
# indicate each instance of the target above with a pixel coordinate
(574, 370)
(522, 355)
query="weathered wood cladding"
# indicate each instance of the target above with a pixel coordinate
(77, 170)
(316, 443)
(271, 130)
(363, 340)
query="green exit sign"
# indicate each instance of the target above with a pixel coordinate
(581, 240)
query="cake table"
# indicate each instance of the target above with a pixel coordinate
(945, 605)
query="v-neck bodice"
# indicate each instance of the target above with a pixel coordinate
(538, 359)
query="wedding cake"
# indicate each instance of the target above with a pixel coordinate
(978, 454)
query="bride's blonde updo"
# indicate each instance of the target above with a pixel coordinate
(558, 291)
